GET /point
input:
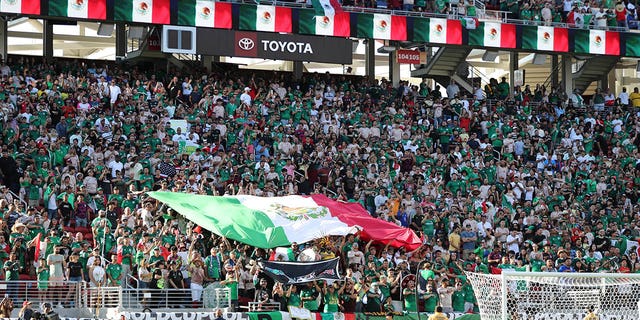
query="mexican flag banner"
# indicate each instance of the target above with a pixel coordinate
(326, 7)
(279, 221)
(336, 24)
(382, 26)
(632, 44)
(205, 13)
(265, 18)
(596, 42)
(270, 315)
(20, 6)
(82, 9)
(493, 34)
(437, 30)
(545, 38)
(469, 23)
(144, 11)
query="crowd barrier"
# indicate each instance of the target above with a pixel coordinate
(67, 294)
(280, 316)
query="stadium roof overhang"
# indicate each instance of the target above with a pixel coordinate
(79, 40)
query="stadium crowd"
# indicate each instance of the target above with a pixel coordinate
(578, 14)
(502, 178)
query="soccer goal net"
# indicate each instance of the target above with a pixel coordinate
(556, 296)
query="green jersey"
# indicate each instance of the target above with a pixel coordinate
(43, 278)
(115, 270)
(11, 270)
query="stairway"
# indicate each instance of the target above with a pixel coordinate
(443, 65)
(593, 69)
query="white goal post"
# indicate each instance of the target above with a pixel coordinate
(556, 296)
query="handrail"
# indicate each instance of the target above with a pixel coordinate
(564, 25)
(481, 8)
(135, 280)
(473, 72)
(554, 70)
(577, 66)
(268, 306)
(24, 203)
(67, 293)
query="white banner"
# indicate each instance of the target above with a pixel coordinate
(300, 313)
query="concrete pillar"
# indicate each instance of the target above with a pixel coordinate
(554, 70)
(619, 74)
(207, 61)
(613, 76)
(121, 41)
(513, 66)
(394, 68)
(47, 40)
(298, 70)
(567, 75)
(3, 39)
(370, 59)
(608, 81)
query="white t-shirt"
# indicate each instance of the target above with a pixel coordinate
(601, 19)
(567, 5)
(445, 296)
(245, 98)
(114, 91)
(115, 166)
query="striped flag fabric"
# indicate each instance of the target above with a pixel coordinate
(326, 7)
(265, 18)
(274, 222)
(493, 34)
(596, 42)
(632, 45)
(437, 30)
(205, 13)
(469, 22)
(81, 9)
(328, 20)
(20, 6)
(338, 25)
(143, 11)
(333, 316)
(545, 38)
(382, 26)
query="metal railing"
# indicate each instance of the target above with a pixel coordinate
(577, 66)
(547, 82)
(259, 306)
(79, 295)
(476, 73)
(213, 296)
(65, 294)
(482, 14)
(564, 25)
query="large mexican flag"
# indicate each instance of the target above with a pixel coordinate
(279, 221)
(382, 26)
(437, 30)
(265, 18)
(332, 24)
(20, 6)
(493, 34)
(82, 9)
(632, 45)
(597, 42)
(144, 11)
(205, 13)
(545, 38)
